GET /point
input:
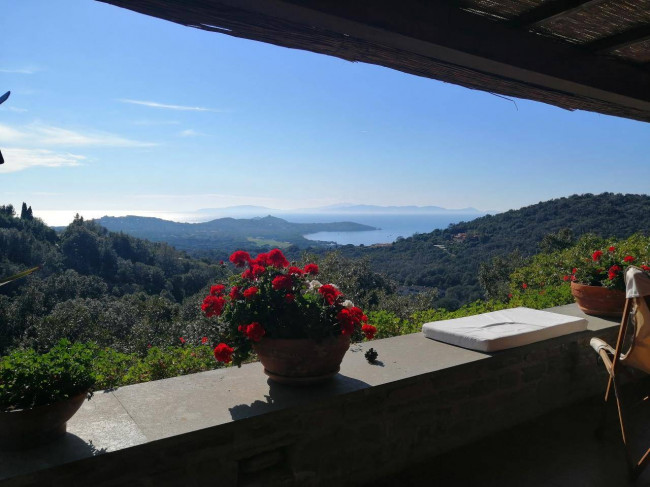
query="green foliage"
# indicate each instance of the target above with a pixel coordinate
(557, 267)
(494, 275)
(449, 259)
(29, 379)
(114, 369)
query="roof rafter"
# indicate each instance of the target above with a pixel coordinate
(551, 10)
(618, 41)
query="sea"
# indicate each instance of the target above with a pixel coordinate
(389, 226)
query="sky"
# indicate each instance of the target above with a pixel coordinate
(114, 112)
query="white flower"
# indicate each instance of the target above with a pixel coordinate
(347, 304)
(313, 285)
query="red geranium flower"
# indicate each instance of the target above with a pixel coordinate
(597, 255)
(240, 258)
(295, 271)
(524, 286)
(282, 282)
(213, 305)
(329, 292)
(612, 249)
(575, 269)
(311, 269)
(254, 331)
(182, 340)
(277, 259)
(628, 259)
(369, 331)
(612, 272)
(250, 292)
(257, 270)
(234, 293)
(217, 290)
(223, 353)
(645, 268)
(204, 340)
(261, 259)
(566, 278)
(289, 298)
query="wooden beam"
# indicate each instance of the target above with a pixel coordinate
(618, 41)
(551, 10)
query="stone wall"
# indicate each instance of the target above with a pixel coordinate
(360, 435)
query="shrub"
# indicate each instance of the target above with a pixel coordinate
(29, 379)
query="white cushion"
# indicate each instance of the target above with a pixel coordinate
(499, 330)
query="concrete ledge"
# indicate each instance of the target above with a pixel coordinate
(234, 427)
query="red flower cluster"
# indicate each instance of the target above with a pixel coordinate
(611, 249)
(223, 353)
(218, 290)
(250, 292)
(349, 318)
(629, 259)
(311, 269)
(235, 294)
(329, 292)
(296, 271)
(282, 282)
(213, 305)
(277, 259)
(597, 255)
(611, 274)
(254, 332)
(204, 341)
(240, 258)
(369, 331)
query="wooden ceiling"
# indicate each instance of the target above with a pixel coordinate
(576, 54)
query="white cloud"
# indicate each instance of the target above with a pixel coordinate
(190, 133)
(146, 122)
(21, 159)
(12, 109)
(27, 70)
(154, 104)
(47, 135)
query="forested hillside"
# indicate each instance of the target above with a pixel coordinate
(450, 259)
(95, 284)
(225, 234)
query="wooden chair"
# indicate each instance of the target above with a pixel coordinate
(634, 334)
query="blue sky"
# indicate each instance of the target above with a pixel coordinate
(115, 111)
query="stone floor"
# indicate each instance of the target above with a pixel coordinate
(559, 449)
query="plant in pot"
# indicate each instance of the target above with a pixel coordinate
(39, 393)
(299, 328)
(598, 281)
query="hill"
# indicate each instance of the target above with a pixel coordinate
(449, 259)
(95, 284)
(227, 233)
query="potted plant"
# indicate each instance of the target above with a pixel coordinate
(598, 281)
(299, 328)
(39, 393)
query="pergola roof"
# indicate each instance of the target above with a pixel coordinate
(576, 54)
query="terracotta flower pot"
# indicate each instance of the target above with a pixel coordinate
(301, 361)
(599, 301)
(24, 428)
